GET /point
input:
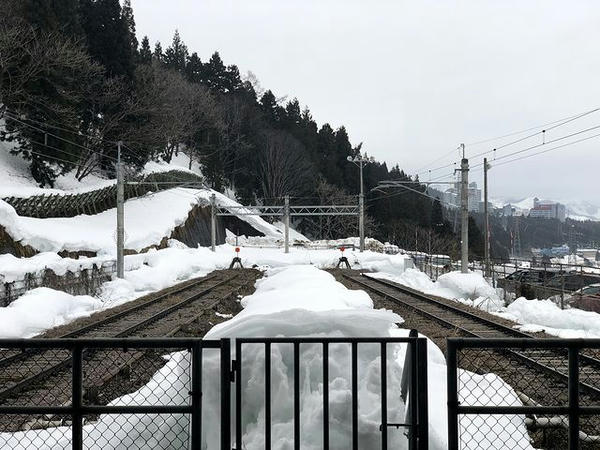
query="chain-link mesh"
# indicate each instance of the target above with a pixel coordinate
(110, 378)
(531, 377)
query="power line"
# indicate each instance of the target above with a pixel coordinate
(556, 123)
(576, 116)
(60, 138)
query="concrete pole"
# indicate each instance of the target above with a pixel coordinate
(361, 208)
(486, 249)
(213, 222)
(286, 222)
(464, 222)
(120, 215)
(361, 221)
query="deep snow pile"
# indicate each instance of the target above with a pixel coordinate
(545, 315)
(296, 301)
(468, 288)
(530, 315)
(156, 270)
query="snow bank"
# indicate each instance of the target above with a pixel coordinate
(159, 269)
(545, 315)
(41, 309)
(468, 288)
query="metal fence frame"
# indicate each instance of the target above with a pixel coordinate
(573, 409)
(413, 384)
(78, 409)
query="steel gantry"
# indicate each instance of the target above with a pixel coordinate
(285, 211)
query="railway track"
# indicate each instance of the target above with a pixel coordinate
(551, 362)
(41, 376)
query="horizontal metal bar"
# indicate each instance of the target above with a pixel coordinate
(134, 342)
(542, 410)
(521, 343)
(319, 340)
(485, 410)
(96, 409)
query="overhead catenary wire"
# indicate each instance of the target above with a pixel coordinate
(556, 124)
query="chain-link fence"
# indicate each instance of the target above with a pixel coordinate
(523, 394)
(107, 393)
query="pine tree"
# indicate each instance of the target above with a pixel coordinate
(215, 73)
(145, 51)
(127, 16)
(158, 52)
(193, 68)
(108, 36)
(177, 54)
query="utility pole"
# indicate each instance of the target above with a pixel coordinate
(120, 214)
(360, 161)
(486, 249)
(464, 209)
(213, 222)
(286, 223)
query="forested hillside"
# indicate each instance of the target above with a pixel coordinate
(74, 80)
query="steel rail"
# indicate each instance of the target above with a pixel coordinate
(500, 327)
(57, 367)
(86, 328)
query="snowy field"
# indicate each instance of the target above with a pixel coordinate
(298, 300)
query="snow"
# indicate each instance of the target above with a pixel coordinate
(295, 301)
(43, 308)
(529, 315)
(13, 268)
(545, 315)
(159, 269)
(468, 288)
(167, 209)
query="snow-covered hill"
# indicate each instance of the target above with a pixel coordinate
(576, 209)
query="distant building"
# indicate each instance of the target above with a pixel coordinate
(452, 197)
(548, 210)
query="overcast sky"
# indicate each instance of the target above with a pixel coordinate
(414, 79)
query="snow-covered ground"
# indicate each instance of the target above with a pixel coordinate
(147, 220)
(530, 315)
(153, 271)
(299, 300)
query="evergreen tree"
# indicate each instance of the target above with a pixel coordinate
(215, 73)
(127, 16)
(145, 51)
(50, 16)
(108, 36)
(193, 68)
(176, 55)
(158, 52)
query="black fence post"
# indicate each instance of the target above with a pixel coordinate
(384, 425)
(422, 397)
(196, 393)
(452, 391)
(267, 395)
(226, 394)
(412, 396)
(77, 398)
(573, 398)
